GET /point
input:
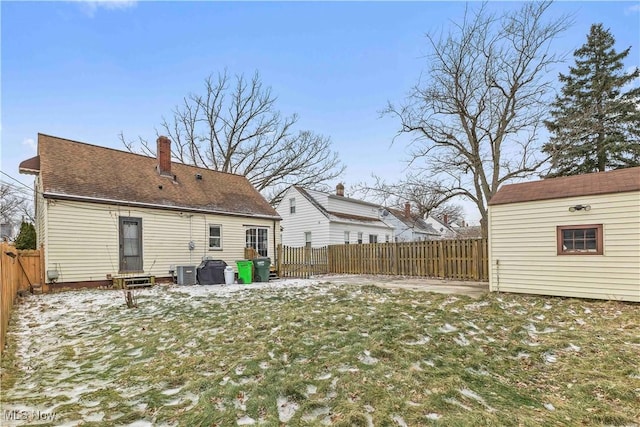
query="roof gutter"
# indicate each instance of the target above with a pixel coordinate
(59, 196)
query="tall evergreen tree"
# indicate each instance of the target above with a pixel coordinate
(595, 124)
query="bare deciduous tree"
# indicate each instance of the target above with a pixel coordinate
(14, 204)
(476, 120)
(234, 127)
(426, 198)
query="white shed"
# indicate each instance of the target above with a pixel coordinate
(575, 236)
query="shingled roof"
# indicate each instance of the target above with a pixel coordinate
(617, 181)
(79, 171)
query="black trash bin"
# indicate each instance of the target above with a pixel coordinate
(211, 272)
(261, 269)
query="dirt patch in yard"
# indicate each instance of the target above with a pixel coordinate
(440, 286)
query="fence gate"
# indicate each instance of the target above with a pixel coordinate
(302, 262)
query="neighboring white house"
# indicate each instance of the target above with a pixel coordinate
(101, 212)
(575, 236)
(441, 225)
(318, 219)
(410, 227)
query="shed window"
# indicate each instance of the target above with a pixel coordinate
(307, 239)
(373, 238)
(580, 239)
(346, 238)
(215, 237)
(292, 205)
(359, 237)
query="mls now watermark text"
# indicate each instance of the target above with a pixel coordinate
(25, 415)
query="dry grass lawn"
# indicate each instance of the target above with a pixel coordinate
(308, 353)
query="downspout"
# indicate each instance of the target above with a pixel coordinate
(275, 250)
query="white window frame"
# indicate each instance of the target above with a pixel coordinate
(215, 248)
(255, 233)
(360, 237)
(307, 239)
(347, 238)
(373, 238)
(292, 205)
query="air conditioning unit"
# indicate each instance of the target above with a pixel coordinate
(186, 274)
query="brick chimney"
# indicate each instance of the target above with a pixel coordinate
(407, 209)
(445, 219)
(164, 156)
(340, 190)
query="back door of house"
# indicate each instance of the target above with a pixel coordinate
(130, 244)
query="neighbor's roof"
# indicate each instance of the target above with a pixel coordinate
(341, 216)
(414, 221)
(617, 181)
(80, 171)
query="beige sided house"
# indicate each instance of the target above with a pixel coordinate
(576, 236)
(102, 212)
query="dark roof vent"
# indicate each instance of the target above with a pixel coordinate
(199, 176)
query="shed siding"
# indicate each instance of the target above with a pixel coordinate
(306, 218)
(523, 241)
(83, 239)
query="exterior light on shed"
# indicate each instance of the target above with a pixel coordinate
(580, 208)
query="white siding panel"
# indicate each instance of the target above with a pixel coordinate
(523, 253)
(306, 218)
(83, 239)
(338, 229)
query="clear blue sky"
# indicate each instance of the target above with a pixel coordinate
(89, 70)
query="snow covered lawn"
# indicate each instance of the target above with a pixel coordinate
(311, 353)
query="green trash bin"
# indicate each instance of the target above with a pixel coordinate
(245, 271)
(261, 266)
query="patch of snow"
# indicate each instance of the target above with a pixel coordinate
(324, 376)
(447, 328)
(549, 358)
(367, 359)
(475, 396)
(581, 322)
(399, 420)
(420, 341)
(461, 340)
(311, 389)
(369, 419)
(245, 421)
(573, 348)
(171, 391)
(433, 416)
(346, 368)
(286, 409)
(457, 403)
(314, 414)
(480, 372)
(368, 408)
(549, 407)
(476, 305)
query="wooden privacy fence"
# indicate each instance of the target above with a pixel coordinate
(302, 262)
(20, 270)
(447, 259)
